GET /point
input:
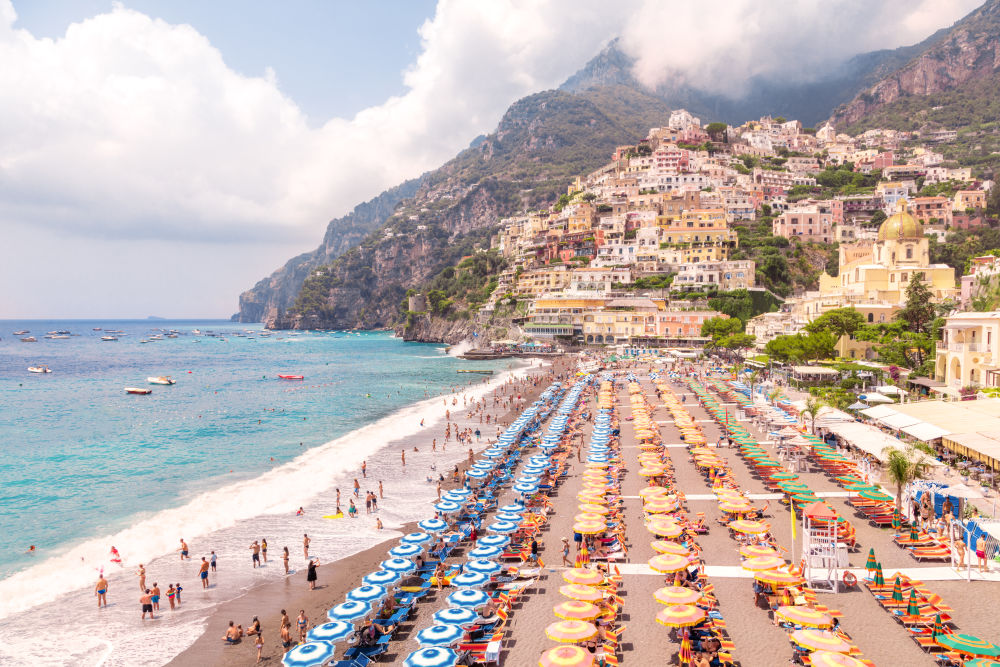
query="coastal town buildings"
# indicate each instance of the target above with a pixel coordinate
(967, 353)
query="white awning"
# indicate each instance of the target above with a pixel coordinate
(878, 412)
(871, 440)
(924, 431)
(898, 421)
(889, 390)
(875, 397)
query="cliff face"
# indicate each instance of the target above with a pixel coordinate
(274, 294)
(430, 329)
(967, 53)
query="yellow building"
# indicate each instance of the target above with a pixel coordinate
(541, 281)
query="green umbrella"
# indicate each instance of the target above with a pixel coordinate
(897, 522)
(877, 496)
(879, 577)
(870, 563)
(981, 662)
(938, 628)
(783, 475)
(912, 609)
(897, 591)
(849, 479)
(968, 644)
(913, 533)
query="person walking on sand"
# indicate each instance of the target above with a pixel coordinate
(284, 557)
(203, 572)
(305, 545)
(184, 550)
(470, 456)
(255, 549)
(142, 577)
(357, 488)
(260, 645)
(311, 573)
(101, 591)
(146, 600)
(565, 553)
(364, 469)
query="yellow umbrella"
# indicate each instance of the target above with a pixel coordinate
(805, 616)
(577, 610)
(583, 576)
(668, 563)
(589, 527)
(735, 508)
(590, 497)
(665, 547)
(660, 506)
(752, 527)
(761, 563)
(571, 632)
(680, 616)
(752, 550)
(596, 464)
(779, 578)
(593, 508)
(653, 492)
(676, 595)
(820, 640)
(566, 656)
(581, 592)
(588, 518)
(664, 529)
(833, 659)
(651, 472)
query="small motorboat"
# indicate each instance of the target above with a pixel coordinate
(29, 339)
(161, 379)
(39, 369)
(138, 390)
(23, 332)
(108, 338)
(288, 376)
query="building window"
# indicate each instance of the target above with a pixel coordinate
(871, 317)
(909, 252)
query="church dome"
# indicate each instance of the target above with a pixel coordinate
(900, 225)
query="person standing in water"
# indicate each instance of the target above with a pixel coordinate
(146, 600)
(402, 455)
(284, 557)
(263, 548)
(155, 596)
(184, 550)
(203, 572)
(212, 561)
(364, 469)
(101, 591)
(380, 495)
(305, 545)
(255, 553)
(142, 577)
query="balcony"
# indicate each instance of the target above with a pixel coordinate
(969, 347)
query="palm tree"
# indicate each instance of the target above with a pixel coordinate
(813, 406)
(904, 466)
(752, 379)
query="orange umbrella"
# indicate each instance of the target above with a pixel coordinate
(660, 506)
(752, 550)
(590, 497)
(752, 527)
(571, 632)
(651, 472)
(593, 508)
(589, 527)
(680, 616)
(676, 595)
(805, 616)
(665, 547)
(586, 517)
(584, 576)
(566, 656)
(779, 578)
(653, 491)
(665, 529)
(735, 508)
(577, 610)
(668, 563)
(760, 563)
(581, 592)
(832, 659)
(820, 640)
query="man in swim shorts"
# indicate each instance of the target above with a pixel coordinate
(101, 591)
(203, 572)
(255, 548)
(184, 550)
(147, 604)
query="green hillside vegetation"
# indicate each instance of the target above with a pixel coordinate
(782, 265)
(459, 291)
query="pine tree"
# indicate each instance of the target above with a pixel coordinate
(918, 313)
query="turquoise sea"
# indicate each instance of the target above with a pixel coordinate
(82, 461)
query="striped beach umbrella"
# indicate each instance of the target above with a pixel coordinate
(416, 538)
(398, 565)
(938, 627)
(968, 644)
(779, 578)
(469, 580)
(912, 608)
(432, 525)
(528, 479)
(668, 563)
(468, 598)
(832, 659)
(754, 550)
(566, 656)
(805, 616)
(897, 591)
(571, 632)
(440, 635)
(381, 578)
(512, 508)
(405, 550)
(509, 517)
(820, 640)
(666, 547)
(750, 527)
(879, 577)
(476, 474)
(577, 610)
(783, 475)
(583, 576)
(581, 592)
(593, 508)
(652, 492)
(877, 496)
(462, 617)
(447, 507)
(664, 529)
(870, 563)
(332, 632)
(493, 541)
(309, 654)
(432, 656)
(761, 563)
(367, 593)
(590, 527)
(484, 552)
(684, 654)
(453, 497)
(483, 566)
(502, 527)
(680, 616)
(676, 595)
(349, 611)
(981, 662)
(526, 488)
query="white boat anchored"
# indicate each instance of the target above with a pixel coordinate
(161, 379)
(39, 369)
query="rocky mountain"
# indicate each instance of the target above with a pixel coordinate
(954, 76)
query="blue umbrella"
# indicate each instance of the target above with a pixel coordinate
(513, 508)
(405, 550)
(525, 488)
(447, 507)
(309, 654)
(416, 538)
(433, 525)
(333, 632)
(381, 578)
(502, 527)
(367, 593)
(468, 599)
(456, 616)
(349, 611)
(461, 491)
(432, 656)
(483, 566)
(398, 565)
(493, 541)
(469, 580)
(485, 552)
(476, 474)
(510, 517)
(440, 635)
(529, 479)
(453, 497)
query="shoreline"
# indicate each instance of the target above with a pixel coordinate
(335, 579)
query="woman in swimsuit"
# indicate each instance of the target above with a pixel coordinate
(303, 621)
(284, 557)
(171, 592)
(263, 549)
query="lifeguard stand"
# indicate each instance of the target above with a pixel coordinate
(819, 547)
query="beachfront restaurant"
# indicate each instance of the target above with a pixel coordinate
(813, 374)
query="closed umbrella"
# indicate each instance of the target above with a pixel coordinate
(870, 563)
(912, 608)
(310, 654)
(897, 591)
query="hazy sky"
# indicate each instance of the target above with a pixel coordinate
(159, 157)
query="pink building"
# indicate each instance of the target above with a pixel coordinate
(809, 223)
(683, 323)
